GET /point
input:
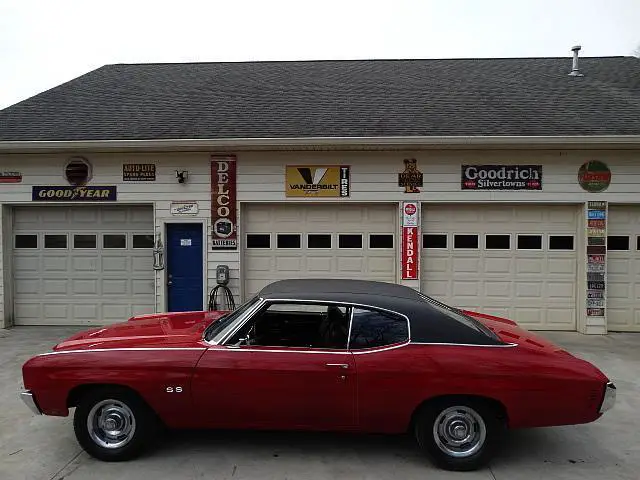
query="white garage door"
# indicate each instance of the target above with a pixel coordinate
(623, 268)
(515, 261)
(318, 241)
(82, 265)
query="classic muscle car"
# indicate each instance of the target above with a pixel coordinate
(342, 355)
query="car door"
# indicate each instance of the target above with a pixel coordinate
(391, 373)
(302, 384)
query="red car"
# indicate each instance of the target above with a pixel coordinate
(341, 355)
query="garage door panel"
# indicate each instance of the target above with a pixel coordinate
(340, 242)
(115, 264)
(64, 286)
(623, 270)
(530, 285)
(498, 265)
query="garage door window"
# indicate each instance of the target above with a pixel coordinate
(465, 241)
(529, 242)
(618, 242)
(371, 328)
(377, 240)
(84, 241)
(560, 242)
(497, 242)
(55, 241)
(258, 240)
(143, 241)
(26, 241)
(288, 240)
(114, 241)
(638, 243)
(349, 241)
(434, 240)
(319, 240)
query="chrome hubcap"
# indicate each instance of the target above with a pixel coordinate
(459, 431)
(111, 424)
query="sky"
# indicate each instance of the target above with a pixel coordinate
(44, 43)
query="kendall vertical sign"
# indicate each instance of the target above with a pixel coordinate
(224, 231)
(410, 242)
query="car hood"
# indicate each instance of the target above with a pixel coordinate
(510, 332)
(182, 329)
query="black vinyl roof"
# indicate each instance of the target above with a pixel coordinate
(342, 290)
(427, 323)
(351, 98)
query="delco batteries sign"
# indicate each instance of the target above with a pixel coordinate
(223, 202)
(501, 177)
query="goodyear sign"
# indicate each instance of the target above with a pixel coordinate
(317, 181)
(70, 193)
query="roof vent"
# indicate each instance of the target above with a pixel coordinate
(574, 69)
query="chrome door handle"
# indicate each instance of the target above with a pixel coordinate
(344, 366)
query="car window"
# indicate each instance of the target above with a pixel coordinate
(217, 330)
(458, 316)
(372, 328)
(293, 324)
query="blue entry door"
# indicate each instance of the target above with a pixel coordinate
(184, 267)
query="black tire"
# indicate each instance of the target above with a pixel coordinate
(127, 410)
(480, 421)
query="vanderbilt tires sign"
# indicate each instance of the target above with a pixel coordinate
(318, 181)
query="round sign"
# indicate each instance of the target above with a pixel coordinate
(410, 209)
(594, 176)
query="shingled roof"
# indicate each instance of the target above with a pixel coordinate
(362, 98)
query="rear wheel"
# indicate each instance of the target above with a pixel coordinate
(459, 434)
(113, 424)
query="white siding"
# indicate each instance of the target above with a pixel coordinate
(374, 177)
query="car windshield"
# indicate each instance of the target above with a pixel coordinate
(218, 326)
(458, 316)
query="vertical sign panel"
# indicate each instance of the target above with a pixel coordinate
(224, 230)
(410, 240)
(596, 258)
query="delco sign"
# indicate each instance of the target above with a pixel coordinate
(501, 177)
(223, 202)
(69, 193)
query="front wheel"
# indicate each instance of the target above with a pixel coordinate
(459, 434)
(113, 424)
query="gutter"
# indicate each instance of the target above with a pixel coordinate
(599, 141)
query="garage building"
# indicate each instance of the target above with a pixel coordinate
(503, 185)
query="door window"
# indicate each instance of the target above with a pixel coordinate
(372, 328)
(301, 325)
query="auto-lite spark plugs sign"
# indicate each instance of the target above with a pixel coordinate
(410, 245)
(224, 232)
(501, 177)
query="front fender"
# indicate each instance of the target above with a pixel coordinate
(162, 377)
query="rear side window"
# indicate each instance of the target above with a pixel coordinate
(371, 328)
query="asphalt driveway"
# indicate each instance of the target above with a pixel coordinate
(36, 447)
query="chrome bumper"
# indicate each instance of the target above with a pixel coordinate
(609, 399)
(30, 401)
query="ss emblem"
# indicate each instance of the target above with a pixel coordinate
(174, 389)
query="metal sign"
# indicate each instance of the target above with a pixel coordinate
(411, 177)
(594, 176)
(10, 177)
(595, 312)
(501, 177)
(223, 202)
(410, 253)
(317, 181)
(139, 172)
(184, 208)
(410, 214)
(595, 267)
(70, 193)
